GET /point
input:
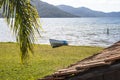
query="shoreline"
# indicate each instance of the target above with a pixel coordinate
(61, 46)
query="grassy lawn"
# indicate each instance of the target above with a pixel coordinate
(45, 60)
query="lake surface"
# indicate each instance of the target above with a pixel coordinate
(77, 31)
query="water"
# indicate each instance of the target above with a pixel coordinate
(77, 31)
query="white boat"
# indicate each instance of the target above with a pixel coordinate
(57, 43)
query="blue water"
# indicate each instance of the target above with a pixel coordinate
(77, 31)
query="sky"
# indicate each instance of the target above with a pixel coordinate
(99, 5)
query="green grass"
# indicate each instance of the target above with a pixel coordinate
(45, 60)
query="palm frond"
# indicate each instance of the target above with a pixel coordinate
(1, 1)
(22, 17)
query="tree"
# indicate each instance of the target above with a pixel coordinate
(22, 18)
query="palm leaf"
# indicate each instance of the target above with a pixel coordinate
(1, 1)
(22, 18)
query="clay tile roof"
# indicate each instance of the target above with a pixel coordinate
(105, 57)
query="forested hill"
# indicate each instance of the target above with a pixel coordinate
(86, 12)
(48, 10)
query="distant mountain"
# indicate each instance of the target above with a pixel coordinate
(86, 12)
(48, 10)
(51, 11)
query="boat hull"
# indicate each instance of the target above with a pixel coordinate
(57, 43)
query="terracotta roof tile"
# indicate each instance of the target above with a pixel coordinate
(105, 57)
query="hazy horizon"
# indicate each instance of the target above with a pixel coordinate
(101, 5)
